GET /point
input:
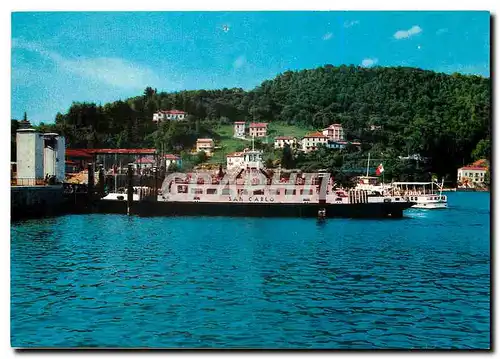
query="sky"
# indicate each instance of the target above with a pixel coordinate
(64, 57)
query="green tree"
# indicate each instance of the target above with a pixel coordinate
(287, 160)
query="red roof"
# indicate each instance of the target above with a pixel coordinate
(283, 138)
(315, 135)
(128, 151)
(258, 124)
(68, 162)
(235, 154)
(173, 112)
(334, 125)
(80, 153)
(171, 157)
(239, 122)
(481, 163)
(476, 168)
(204, 140)
(145, 160)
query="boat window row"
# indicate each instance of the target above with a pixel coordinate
(227, 191)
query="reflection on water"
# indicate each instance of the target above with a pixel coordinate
(117, 281)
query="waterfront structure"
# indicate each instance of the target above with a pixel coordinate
(78, 157)
(311, 141)
(147, 162)
(206, 145)
(170, 115)
(172, 160)
(239, 129)
(471, 175)
(334, 132)
(279, 142)
(258, 129)
(39, 155)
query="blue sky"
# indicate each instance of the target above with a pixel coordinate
(61, 57)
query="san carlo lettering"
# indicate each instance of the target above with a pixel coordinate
(251, 199)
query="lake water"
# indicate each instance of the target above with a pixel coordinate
(116, 281)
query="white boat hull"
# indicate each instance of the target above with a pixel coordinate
(431, 205)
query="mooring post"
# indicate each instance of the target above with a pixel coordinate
(155, 187)
(101, 181)
(90, 185)
(130, 188)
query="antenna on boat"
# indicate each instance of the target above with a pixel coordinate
(368, 164)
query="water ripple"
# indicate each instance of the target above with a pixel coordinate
(114, 281)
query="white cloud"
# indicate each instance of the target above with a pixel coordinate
(404, 34)
(327, 36)
(115, 72)
(239, 62)
(348, 24)
(369, 62)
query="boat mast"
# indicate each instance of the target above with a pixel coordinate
(368, 164)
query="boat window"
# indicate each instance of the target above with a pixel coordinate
(196, 191)
(290, 191)
(258, 192)
(182, 189)
(242, 192)
(304, 191)
(226, 191)
(212, 191)
(274, 192)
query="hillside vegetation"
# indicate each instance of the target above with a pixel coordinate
(443, 117)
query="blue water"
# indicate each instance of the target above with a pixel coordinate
(117, 281)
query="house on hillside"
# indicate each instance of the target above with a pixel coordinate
(311, 141)
(170, 115)
(334, 132)
(206, 145)
(258, 129)
(281, 141)
(239, 129)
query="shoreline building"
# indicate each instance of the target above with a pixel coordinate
(170, 115)
(258, 129)
(279, 142)
(239, 129)
(39, 155)
(206, 145)
(472, 174)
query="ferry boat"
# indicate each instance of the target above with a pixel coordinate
(254, 193)
(251, 190)
(422, 194)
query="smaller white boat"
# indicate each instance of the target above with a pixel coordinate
(121, 195)
(426, 195)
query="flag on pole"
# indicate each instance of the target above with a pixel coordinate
(380, 169)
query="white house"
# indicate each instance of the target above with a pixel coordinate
(311, 141)
(471, 174)
(279, 142)
(171, 115)
(239, 129)
(258, 129)
(246, 159)
(334, 132)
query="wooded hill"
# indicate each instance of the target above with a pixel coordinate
(443, 117)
